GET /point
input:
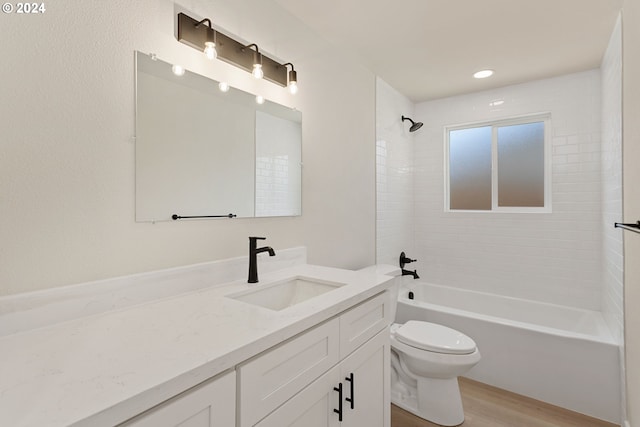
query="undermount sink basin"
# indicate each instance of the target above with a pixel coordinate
(280, 295)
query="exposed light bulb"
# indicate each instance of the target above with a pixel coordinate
(259, 99)
(223, 86)
(293, 81)
(178, 70)
(210, 50)
(257, 71)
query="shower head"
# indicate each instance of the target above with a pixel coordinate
(414, 125)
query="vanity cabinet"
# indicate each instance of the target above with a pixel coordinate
(210, 404)
(327, 402)
(334, 374)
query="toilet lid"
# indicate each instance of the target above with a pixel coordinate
(436, 338)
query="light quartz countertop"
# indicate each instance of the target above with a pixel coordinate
(103, 369)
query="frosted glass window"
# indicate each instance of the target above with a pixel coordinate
(499, 166)
(470, 168)
(521, 165)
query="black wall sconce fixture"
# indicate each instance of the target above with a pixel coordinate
(201, 35)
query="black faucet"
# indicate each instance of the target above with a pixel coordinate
(406, 260)
(253, 257)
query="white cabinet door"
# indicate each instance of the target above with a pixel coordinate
(212, 404)
(314, 406)
(275, 376)
(365, 379)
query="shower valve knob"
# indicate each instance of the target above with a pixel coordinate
(405, 260)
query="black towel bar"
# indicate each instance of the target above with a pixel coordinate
(175, 216)
(631, 227)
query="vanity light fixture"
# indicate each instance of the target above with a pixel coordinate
(293, 79)
(260, 99)
(196, 34)
(223, 86)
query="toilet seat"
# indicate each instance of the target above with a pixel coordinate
(435, 338)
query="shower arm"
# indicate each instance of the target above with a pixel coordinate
(407, 118)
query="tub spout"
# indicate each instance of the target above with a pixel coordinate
(413, 273)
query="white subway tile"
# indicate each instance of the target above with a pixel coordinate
(556, 257)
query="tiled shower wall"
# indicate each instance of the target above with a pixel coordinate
(572, 256)
(612, 290)
(394, 175)
(551, 257)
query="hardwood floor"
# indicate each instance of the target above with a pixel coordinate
(486, 406)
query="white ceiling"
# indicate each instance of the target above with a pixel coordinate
(429, 49)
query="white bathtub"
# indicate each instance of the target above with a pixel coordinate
(557, 354)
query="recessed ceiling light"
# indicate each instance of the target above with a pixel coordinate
(178, 70)
(483, 74)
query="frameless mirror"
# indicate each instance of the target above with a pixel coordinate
(203, 152)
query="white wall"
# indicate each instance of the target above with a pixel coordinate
(612, 250)
(552, 257)
(612, 281)
(631, 197)
(394, 175)
(67, 156)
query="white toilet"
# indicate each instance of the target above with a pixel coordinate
(426, 360)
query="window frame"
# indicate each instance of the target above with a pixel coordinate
(495, 124)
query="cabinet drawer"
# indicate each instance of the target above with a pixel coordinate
(363, 321)
(211, 404)
(312, 407)
(273, 377)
